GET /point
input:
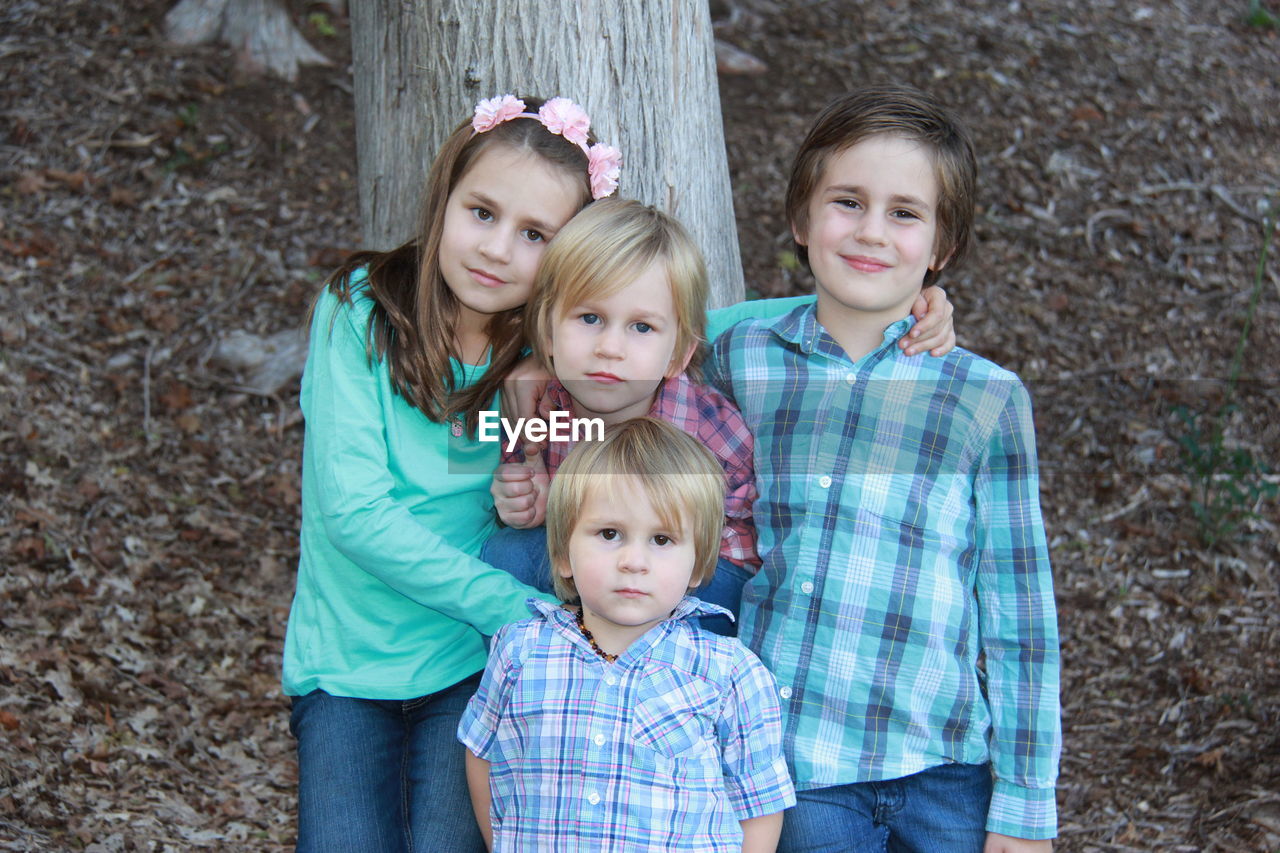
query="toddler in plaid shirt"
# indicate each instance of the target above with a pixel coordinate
(905, 602)
(618, 315)
(614, 724)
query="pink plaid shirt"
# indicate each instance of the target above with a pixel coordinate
(705, 414)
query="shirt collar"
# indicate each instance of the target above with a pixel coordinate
(674, 395)
(690, 605)
(801, 329)
(566, 622)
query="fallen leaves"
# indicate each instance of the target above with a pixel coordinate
(36, 244)
(148, 576)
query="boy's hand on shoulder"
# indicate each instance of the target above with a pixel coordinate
(934, 330)
(997, 843)
(519, 491)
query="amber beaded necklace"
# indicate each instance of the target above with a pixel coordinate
(586, 633)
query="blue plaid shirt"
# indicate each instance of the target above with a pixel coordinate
(902, 544)
(667, 748)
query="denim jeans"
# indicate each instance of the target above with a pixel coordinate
(523, 554)
(380, 775)
(939, 810)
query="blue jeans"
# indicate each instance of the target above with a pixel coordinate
(523, 554)
(939, 810)
(383, 775)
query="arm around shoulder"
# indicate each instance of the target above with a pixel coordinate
(934, 330)
(720, 319)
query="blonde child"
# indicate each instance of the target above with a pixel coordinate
(387, 630)
(617, 315)
(611, 723)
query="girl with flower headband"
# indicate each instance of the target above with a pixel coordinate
(386, 635)
(385, 642)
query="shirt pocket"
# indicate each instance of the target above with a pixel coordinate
(930, 512)
(674, 730)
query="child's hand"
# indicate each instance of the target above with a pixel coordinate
(997, 843)
(523, 387)
(519, 491)
(933, 330)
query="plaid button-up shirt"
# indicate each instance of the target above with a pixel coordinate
(705, 414)
(902, 542)
(667, 748)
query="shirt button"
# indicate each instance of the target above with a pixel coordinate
(593, 798)
(824, 481)
(599, 739)
(806, 587)
(785, 692)
(851, 377)
(610, 680)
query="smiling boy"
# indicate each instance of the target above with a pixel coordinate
(905, 603)
(614, 723)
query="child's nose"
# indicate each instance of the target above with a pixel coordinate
(870, 229)
(609, 343)
(632, 558)
(496, 245)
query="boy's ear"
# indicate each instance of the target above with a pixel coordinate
(935, 265)
(800, 234)
(563, 569)
(678, 364)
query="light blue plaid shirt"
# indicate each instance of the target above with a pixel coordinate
(902, 543)
(667, 748)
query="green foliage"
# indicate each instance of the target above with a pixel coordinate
(1229, 484)
(321, 24)
(1260, 17)
(188, 157)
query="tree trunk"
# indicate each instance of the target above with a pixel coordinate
(260, 31)
(643, 69)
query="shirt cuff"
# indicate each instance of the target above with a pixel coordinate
(767, 792)
(1019, 812)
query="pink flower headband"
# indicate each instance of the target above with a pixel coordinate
(563, 117)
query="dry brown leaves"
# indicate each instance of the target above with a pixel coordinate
(148, 507)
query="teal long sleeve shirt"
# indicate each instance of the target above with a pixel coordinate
(392, 601)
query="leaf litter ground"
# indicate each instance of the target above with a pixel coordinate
(154, 202)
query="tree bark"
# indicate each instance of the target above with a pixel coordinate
(643, 69)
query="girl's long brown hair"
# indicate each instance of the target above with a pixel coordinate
(414, 310)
